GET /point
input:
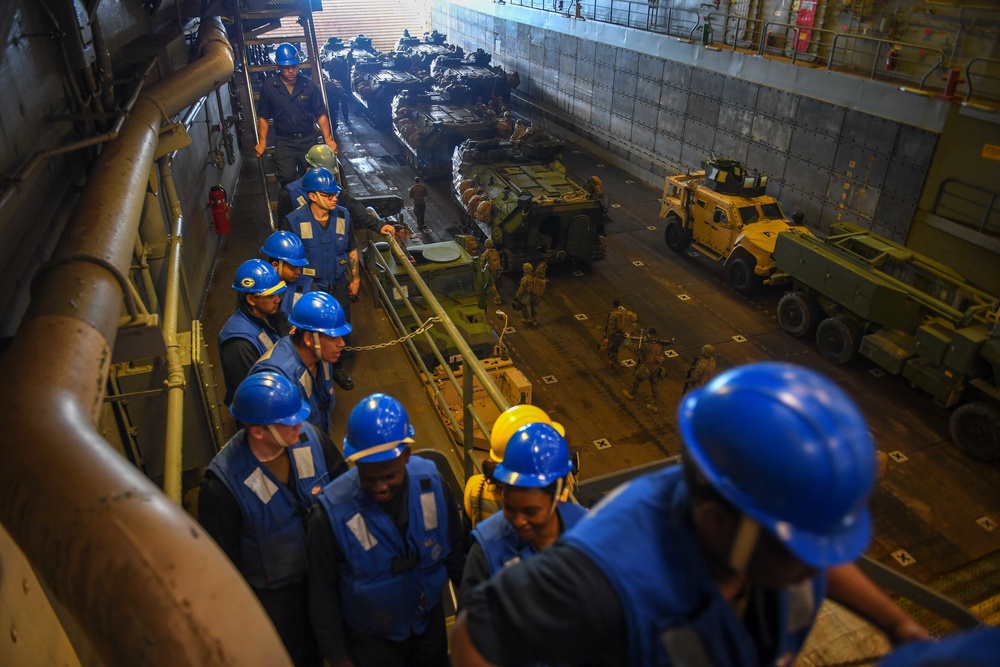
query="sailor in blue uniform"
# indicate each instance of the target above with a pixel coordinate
(383, 542)
(533, 475)
(254, 497)
(285, 253)
(254, 328)
(305, 356)
(295, 195)
(723, 560)
(325, 231)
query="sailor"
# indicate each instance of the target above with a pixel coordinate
(254, 497)
(304, 357)
(286, 254)
(721, 560)
(324, 228)
(482, 493)
(383, 542)
(254, 328)
(534, 476)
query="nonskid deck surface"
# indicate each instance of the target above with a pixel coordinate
(935, 511)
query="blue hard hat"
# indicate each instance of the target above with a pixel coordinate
(268, 398)
(255, 276)
(787, 447)
(320, 312)
(319, 179)
(286, 54)
(285, 247)
(536, 456)
(378, 429)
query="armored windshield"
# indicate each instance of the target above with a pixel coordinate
(749, 214)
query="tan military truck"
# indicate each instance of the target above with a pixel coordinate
(724, 212)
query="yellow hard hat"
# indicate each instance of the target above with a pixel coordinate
(512, 419)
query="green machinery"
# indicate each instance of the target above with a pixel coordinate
(862, 293)
(517, 193)
(453, 276)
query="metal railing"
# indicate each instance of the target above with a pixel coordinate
(969, 205)
(472, 367)
(875, 58)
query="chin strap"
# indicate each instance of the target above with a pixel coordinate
(324, 365)
(274, 433)
(743, 544)
(561, 491)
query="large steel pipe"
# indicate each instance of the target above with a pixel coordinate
(142, 579)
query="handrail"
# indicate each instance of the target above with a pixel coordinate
(474, 368)
(758, 43)
(95, 529)
(968, 73)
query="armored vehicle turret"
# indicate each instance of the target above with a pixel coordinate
(517, 193)
(860, 292)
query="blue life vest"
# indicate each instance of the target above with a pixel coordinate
(295, 290)
(642, 541)
(273, 542)
(388, 587)
(503, 547)
(283, 358)
(297, 193)
(326, 247)
(239, 325)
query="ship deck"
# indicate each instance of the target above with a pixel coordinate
(935, 511)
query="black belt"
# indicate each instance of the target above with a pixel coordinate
(297, 136)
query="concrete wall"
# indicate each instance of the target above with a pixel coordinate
(836, 146)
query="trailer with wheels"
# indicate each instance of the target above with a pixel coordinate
(862, 294)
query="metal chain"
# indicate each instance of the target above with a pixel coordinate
(428, 323)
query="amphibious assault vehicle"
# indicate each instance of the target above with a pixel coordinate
(860, 292)
(517, 192)
(429, 125)
(374, 84)
(723, 211)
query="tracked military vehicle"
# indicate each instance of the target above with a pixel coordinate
(429, 125)
(338, 57)
(724, 211)
(376, 83)
(862, 293)
(423, 50)
(486, 85)
(517, 193)
(452, 275)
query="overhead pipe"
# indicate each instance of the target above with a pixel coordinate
(173, 466)
(142, 579)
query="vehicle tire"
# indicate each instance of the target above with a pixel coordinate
(838, 339)
(741, 275)
(975, 429)
(675, 235)
(798, 314)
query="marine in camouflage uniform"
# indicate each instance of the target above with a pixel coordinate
(489, 264)
(614, 333)
(650, 367)
(702, 369)
(529, 291)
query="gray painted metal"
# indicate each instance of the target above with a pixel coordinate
(662, 105)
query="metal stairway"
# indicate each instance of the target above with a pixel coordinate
(260, 25)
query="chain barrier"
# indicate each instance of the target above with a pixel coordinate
(428, 323)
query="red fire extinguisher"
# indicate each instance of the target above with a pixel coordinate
(769, 39)
(890, 59)
(218, 202)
